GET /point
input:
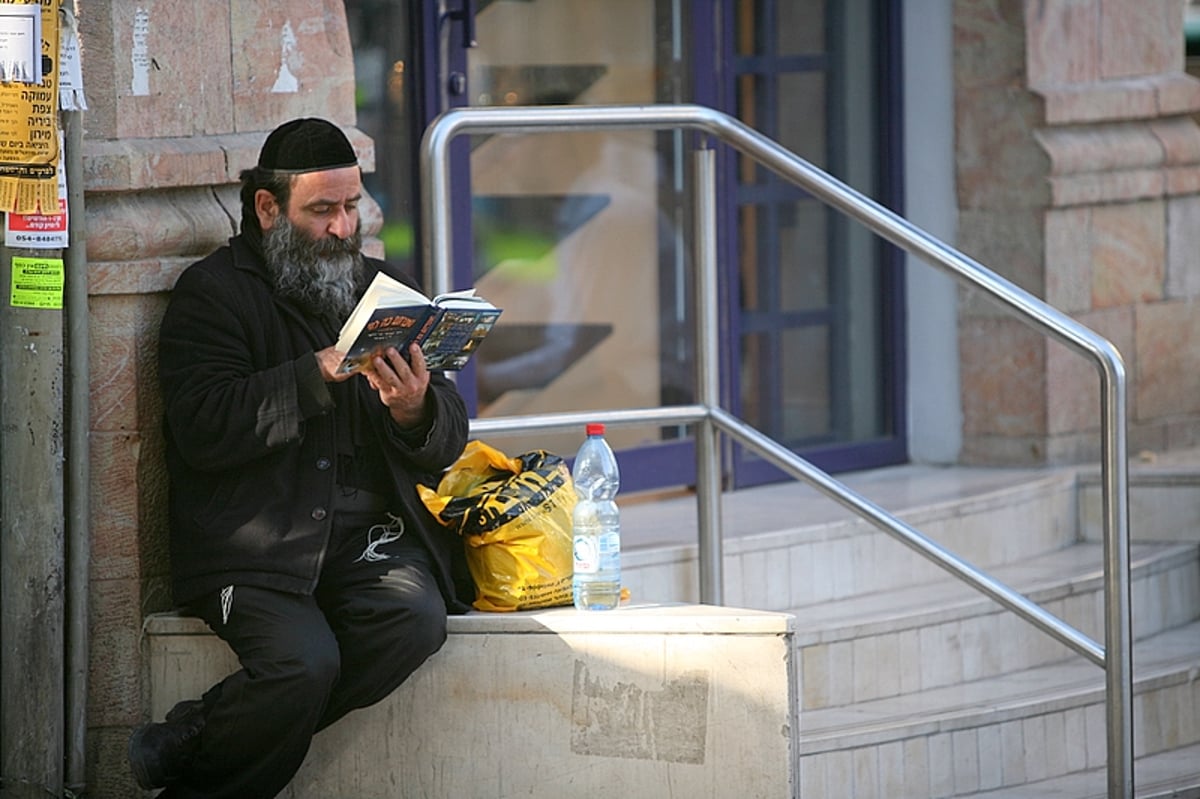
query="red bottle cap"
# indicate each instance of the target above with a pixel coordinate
(595, 429)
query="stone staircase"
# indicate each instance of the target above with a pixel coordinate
(912, 684)
(888, 678)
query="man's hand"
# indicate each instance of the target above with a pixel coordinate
(401, 387)
(328, 360)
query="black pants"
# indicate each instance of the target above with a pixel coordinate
(306, 661)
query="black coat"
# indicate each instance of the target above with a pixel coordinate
(250, 444)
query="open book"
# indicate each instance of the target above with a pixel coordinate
(390, 314)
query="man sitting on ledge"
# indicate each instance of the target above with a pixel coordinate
(296, 530)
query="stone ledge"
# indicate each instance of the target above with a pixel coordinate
(1117, 100)
(644, 701)
(1107, 187)
(159, 163)
(135, 277)
(669, 619)
(1120, 162)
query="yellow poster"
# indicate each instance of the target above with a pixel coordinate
(37, 283)
(29, 118)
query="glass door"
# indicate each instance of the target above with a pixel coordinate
(817, 331)
(582, 238)
(385, 37)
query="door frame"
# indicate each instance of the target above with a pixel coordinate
(744, 469)
(442, 33)
(441, 69)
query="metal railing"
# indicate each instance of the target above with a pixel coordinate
(710, 420)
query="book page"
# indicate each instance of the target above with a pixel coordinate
(384, 291)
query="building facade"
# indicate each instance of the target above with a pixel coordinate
(1053, 141)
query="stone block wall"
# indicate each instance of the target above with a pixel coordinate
(180, 96)
(1078, 166)
(1078, 176)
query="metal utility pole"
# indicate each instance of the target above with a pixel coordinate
(44, 426)
(32, 561)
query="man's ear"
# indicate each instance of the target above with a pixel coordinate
(266, 207)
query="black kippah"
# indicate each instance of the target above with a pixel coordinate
(306, 145)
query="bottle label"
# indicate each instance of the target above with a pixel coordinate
(587, 554)
(610, 550)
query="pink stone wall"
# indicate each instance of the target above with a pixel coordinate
(180, 95)
(1078, 169)
(163, 68)
(1078, 172)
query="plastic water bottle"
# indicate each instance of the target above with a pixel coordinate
(597, 524)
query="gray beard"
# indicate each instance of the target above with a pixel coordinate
(321, 276)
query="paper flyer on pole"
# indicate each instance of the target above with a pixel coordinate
(41, 231)
(37, 283)
(28, 109)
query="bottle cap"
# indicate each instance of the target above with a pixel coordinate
(595, 429)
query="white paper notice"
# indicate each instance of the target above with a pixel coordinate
(20, 43)
(139, 53)
(285, 81)
(70, 71)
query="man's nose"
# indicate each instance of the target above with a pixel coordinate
(343, 223)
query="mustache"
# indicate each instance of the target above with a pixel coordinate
(332, 246)
(321, 275)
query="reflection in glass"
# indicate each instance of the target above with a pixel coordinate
(381, 34)
(579, 236)
(813, 310)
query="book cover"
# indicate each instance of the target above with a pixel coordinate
(449, 327)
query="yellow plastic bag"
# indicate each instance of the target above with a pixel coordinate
(514, 515)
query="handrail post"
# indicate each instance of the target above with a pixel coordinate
(710, 555)
(436, 246)
(435, 210)
(1118, 651)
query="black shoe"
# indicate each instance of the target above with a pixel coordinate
(159, 752)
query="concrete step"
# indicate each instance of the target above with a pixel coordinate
(953, 696)
(957, 695)
(640, 702)
(1008, 731)
(787, 545)
(1162, 505)
(1166, 775)
(890, 643)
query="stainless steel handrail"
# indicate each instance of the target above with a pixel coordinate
(1116, 656)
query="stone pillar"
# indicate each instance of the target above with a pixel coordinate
(1078, 166)
(180, 95)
